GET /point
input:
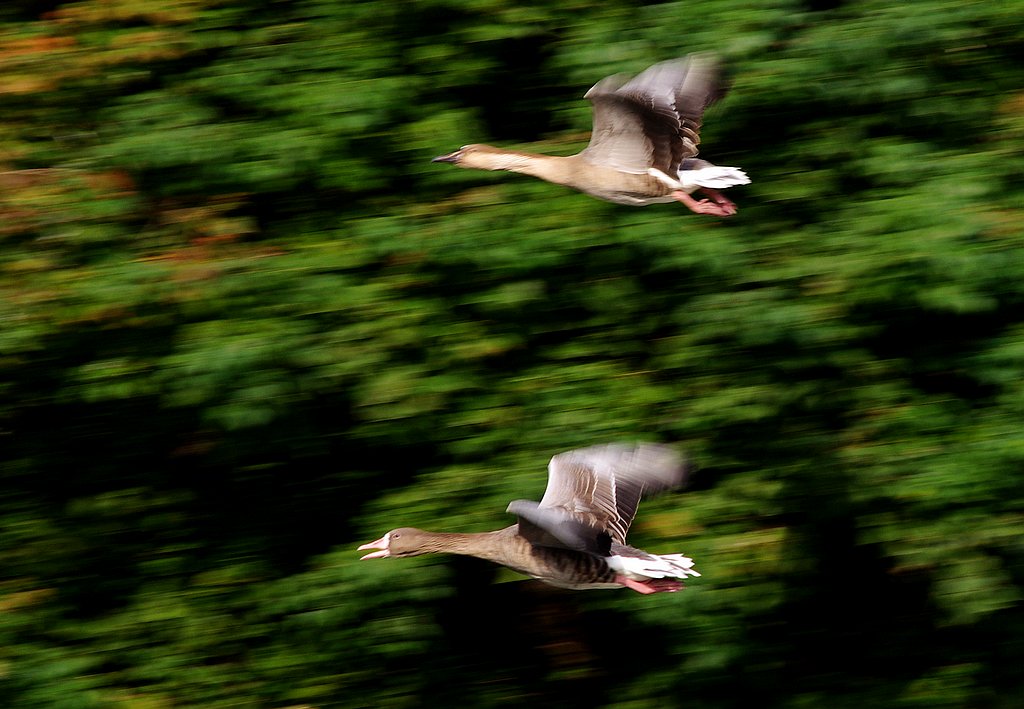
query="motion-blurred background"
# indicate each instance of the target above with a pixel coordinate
(246, 325)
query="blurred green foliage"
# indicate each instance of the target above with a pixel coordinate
(247, 325)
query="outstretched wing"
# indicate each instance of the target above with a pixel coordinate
(593, 494)
(654, 119)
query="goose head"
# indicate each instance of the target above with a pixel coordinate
(405, 541)
(480, 157)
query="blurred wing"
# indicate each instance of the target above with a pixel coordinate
(653, 120)
(600, 487)
(550, 527)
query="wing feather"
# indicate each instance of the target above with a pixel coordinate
(654, 119)
(593, 494)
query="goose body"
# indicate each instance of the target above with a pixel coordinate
(643, 145)
(575, 537)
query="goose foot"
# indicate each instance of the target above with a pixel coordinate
(716, 208)
(720, 199)
(650, 585)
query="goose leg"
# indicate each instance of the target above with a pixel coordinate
(720, 199)
(650, 585)
(703, 206)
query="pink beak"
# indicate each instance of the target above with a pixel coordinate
(381, 544)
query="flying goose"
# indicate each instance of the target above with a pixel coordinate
(643, 143)
(575, 537)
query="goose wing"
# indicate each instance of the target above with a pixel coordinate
(654, 119)
(593, 493)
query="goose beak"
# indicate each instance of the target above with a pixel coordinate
(381, 544)
(450, 157)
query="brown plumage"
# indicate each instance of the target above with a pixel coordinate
(643, 144)
(575, 537)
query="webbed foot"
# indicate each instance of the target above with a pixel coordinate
(650, 585)
(726, 209)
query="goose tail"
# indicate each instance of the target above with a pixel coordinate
(652, 566)
(714, 177)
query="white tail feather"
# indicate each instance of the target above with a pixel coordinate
(674, 566)
(715, 177)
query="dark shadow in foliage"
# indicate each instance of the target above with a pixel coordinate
(511, 97)
(303, 504)
(527, 642)
(848, 619)
(27, 10)
(822, 5)
(120, 488)
(930, 341)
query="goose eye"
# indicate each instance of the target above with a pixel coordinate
(395, 536)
